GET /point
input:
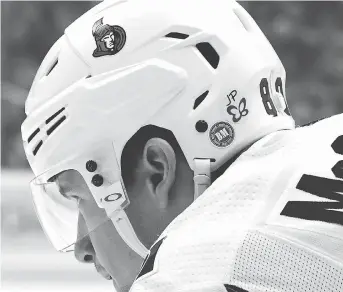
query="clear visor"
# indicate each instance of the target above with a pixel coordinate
(57, 214)
(62, 196)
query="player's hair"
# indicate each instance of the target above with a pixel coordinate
(133, 149)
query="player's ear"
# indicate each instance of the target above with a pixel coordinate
(159, 161)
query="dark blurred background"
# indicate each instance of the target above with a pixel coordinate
(28, 30)
(308, 36)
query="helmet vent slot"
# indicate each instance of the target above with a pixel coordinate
(54, 115)
(200, 99)
(33, 135)
(40, 143)
(209, 53)
(52, 67)
(55, 125)
(177, 35)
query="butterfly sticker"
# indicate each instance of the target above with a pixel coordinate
(238, 113)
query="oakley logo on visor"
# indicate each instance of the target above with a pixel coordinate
(113, 197)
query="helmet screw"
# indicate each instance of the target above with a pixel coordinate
(97, 180)
(91, 165)
(201, 126)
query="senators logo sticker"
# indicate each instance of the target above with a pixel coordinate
(109, 39)
(221, 134)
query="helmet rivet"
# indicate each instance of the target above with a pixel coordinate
(201, 126)
(91, 166)
(97, 180)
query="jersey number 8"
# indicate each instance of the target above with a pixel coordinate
(266, 97)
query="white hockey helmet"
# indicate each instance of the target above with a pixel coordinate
(200, 69)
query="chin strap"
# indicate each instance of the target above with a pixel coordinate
(202, 176)
(127, 233)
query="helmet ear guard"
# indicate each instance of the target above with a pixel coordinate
(120, 221)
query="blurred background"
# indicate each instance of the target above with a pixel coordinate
(308, 36)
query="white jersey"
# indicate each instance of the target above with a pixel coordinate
(272, 222)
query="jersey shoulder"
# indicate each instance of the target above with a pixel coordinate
(323, 129)
(308, 202)
(304, 145)
(210, 245)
